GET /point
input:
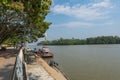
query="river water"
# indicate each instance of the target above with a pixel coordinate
(89, 62)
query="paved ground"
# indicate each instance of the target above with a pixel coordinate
(55, 73)
(7, 60)
(36, 72)
(38, 69)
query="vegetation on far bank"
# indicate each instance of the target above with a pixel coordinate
(92, 40)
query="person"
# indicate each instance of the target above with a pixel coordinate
(39, 51)
(35, 50)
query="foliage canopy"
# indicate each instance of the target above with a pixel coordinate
(23, 20)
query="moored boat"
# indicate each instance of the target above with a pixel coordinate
(45, 52)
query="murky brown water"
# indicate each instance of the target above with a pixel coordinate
(89, 62)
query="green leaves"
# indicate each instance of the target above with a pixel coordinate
(17, 6)
(4, 2)
(28, 19)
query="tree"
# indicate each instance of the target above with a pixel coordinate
(9, 20)
(24, 19)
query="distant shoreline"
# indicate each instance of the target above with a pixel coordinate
(81, 44)
(89, 41)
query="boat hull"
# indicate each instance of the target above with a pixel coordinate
(45, 55)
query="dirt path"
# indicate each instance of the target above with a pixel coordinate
(1, 63)
(7, 60)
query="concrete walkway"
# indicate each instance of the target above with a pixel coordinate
(36, 72)
(38, 69)
(55, 73)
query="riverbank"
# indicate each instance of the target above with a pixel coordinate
(40, 70)
(54, 73)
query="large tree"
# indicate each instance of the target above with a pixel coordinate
(24, 19)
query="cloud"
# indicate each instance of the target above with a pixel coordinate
(105, 3)
(83, 24)
(91, 11)
(75, 24)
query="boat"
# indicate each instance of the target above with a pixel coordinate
(45, 52)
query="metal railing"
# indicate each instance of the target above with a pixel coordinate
(19, 71)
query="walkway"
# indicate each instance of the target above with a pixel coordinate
(7, 60)
(36, 72)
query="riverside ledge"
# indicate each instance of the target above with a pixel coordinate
(40, 70)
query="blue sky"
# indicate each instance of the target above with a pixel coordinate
(84, 18)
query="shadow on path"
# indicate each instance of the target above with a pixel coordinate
(8, 53)
(7, 61)
(6, 72)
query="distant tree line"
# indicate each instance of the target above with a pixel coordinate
(92, 40)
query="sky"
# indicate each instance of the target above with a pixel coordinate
(83, 19)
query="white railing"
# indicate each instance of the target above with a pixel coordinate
(18, 68)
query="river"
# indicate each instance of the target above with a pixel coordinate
(89, 62)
